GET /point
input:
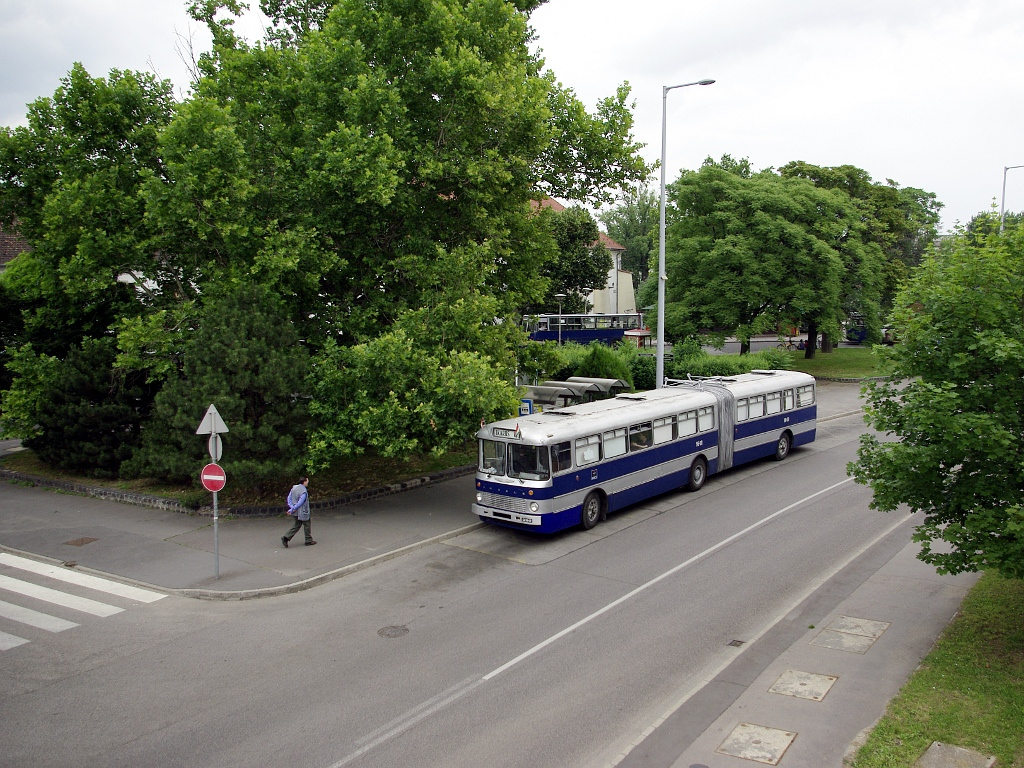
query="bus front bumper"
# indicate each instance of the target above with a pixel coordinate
(507, 517)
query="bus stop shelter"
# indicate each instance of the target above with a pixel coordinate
(610, 387)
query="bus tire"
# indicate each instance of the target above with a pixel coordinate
(592, 508)
(784, 445)
(698, 474)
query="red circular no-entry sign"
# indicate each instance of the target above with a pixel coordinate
(213, 477)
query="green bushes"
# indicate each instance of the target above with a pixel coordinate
(628, 363)
(703, 364)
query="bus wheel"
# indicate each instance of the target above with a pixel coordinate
(698, 474)
(782, 449)
(591, 510)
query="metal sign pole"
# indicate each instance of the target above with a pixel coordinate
(216, 541)
(213, 425)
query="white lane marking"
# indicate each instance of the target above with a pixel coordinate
(83, 604)
(10, 641)
(81, 579)
(643, 587)
(409, 719)
(34, 618)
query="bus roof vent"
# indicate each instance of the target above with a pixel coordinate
(636, 398)
(765, 373)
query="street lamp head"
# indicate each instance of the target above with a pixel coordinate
(705, 82)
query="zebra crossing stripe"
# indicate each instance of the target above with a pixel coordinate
(81, 579)
(10, 641)
(34, 618)
(83, 604)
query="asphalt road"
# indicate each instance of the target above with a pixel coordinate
(491, 649)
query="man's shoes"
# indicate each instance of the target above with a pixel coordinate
(310, 543)
(284, 541)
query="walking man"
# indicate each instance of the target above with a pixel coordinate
(298, 505)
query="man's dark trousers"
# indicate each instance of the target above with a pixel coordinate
(295, 529)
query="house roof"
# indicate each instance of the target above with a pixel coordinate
(554, 205)
(11, 244)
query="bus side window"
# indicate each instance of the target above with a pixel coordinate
(705, 419)
(588, 450)
(742, 409)
(804, 395)
(756, 406)
(614, 443)
(664, 430)
(640, 436)
(787, 400)
(688, 424)
(774, 403)
(561, 457)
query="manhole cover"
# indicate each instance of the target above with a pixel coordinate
(393, 631)
(81, 542)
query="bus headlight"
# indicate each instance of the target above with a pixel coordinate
(479, 497)
(534, 506)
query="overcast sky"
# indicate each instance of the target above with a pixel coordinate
(929, 93)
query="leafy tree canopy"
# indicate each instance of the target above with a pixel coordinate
(953, 399)
(371, 165)
(582, 262)
(902, 221)
(634, 224)
(748, 253)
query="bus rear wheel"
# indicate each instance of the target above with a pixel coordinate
(591, 510)
(784, 446)
(698, 474)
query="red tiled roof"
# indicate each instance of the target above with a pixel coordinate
(608, 243)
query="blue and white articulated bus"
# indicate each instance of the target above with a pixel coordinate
(573, 465)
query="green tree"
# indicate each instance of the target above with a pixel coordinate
(389, 133)
(987, 224)
(902, 221)
(604, 362)
(634, 224)
(246, 358)
(372, 165)
(582, 261)
(751, 253)
(70, 182)
(954, 399)
(397, 399)
(89, 417)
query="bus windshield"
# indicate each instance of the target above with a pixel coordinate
(524, 462)
(529, 462)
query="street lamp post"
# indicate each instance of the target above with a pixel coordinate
(1002, 205)
(662, 277)
(559, 297)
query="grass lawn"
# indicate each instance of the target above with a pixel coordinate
(968, 692)
(842, 363)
